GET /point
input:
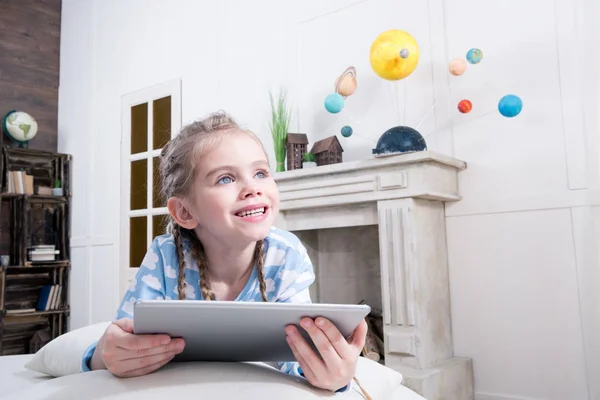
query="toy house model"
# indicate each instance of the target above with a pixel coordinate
(327, 151)
(296, 147)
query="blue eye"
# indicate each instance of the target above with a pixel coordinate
(225, 180)
(261, 175)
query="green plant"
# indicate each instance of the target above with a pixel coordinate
(57, 184)
(308, 157)
(279, 125)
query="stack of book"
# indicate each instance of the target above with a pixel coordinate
(19, 182)
(43, 252)
(50, 298)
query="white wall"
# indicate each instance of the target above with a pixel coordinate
(521, 248)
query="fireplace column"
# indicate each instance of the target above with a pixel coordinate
(416, 299)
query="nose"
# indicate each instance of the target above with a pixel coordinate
(250, 189)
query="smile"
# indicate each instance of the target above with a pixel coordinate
(251, 213)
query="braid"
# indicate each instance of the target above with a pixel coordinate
(176, 229)
(200, 257)
(257, 260)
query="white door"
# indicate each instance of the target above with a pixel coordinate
(149, 118)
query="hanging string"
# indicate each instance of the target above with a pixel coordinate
(464, 123)
(432, 106)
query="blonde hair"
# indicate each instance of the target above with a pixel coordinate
(178, 172)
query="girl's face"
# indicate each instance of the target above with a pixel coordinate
(235, 198)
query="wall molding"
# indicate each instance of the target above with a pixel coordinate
(585, 230)
(100, 240)
(496, 396)
(568, 51)
(516, 202)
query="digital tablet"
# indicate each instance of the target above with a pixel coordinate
(237, 331)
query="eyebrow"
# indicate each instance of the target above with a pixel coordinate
(230, 167)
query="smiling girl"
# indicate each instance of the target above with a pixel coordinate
(221, 245)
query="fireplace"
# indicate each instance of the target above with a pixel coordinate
(375, 231)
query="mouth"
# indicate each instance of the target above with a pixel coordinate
(252, 211)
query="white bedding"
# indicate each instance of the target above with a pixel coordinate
(191, 380)
(14, 375)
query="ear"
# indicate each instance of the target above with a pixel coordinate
(180, 213)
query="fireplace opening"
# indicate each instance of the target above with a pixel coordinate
(347, 271)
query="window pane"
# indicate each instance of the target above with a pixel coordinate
(139, 176)
(157, 197)
(161, 122)
(139, 128)
(137, 241)
(159, 225)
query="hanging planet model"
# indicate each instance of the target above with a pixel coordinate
(345, 84)
(457, 67)
(465, 106)
(474, 56)
(334, 103)
(510, 105)
(394, 55)
(347, 131)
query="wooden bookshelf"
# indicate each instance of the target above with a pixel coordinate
(29, 221)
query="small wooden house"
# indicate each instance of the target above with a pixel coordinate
(38, 340)
(296, 147)
(328, 151)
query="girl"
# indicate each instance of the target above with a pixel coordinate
(221, 245)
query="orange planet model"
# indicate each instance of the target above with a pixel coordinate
(465, 106)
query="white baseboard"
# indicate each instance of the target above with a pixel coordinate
(498, 396)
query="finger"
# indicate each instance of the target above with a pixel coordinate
(123, 337)
(126, 324)
(359, 336)
(143, 365)
(306, 371)
(306, 352)
(130, 341)
(326, 348)
(331, 339)
(176, 346)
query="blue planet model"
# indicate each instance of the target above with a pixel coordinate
(347, 131)
(399, 139)
(474, 56)
(334, 103)
(510, 105)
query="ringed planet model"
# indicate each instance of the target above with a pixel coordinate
(345, 84)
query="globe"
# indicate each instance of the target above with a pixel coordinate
(20, 126)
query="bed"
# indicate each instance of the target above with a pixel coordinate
(53, 373)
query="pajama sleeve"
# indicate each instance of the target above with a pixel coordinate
(295, 280)
(148, 284)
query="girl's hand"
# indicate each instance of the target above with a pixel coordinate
(126, 355)
(336, 365)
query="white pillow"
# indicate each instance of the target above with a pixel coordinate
(62, 356)
(215, 381)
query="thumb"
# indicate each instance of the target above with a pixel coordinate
(359, 335)
(126, 324)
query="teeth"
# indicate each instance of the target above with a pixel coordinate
(256, 211)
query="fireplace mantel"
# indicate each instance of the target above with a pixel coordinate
(402, 196)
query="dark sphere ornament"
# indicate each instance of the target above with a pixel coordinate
(399, 139)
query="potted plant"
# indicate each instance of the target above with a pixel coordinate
(279, 124)
(57, 189)
(308, 160)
